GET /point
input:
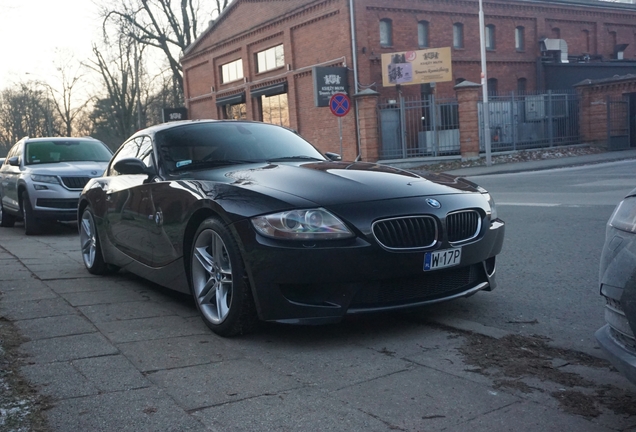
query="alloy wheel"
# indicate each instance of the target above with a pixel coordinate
(212, 281)
(88, 239)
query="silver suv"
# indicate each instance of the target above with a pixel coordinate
(41, 179)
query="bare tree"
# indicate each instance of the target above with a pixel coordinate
(64, 96)
(117, 65)
(169, 25)
(26, 110)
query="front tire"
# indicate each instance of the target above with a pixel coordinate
(6, 220)
(91, 247)
(218, 281)
(31, 224)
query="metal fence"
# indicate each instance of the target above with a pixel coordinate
(415, 127)
(524, 121)
(618, 123)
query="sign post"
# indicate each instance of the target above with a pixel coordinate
(340, 105)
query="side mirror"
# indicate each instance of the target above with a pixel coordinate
(14, 161)
(333, 156)
(132, 166)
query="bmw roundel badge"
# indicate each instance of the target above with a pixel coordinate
(433, 203)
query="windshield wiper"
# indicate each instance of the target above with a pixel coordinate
(199, 164)
(292, 158)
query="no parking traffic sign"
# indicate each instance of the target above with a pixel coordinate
(339, 104)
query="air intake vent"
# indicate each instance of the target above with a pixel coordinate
(75, 182)
(463, 226)
(406, 233)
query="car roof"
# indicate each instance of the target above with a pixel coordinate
(39, 139)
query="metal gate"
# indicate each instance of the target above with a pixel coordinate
(618, 123)
(415, 127)
(527, 121)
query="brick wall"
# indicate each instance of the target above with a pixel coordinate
(317, 33)
(593, 105)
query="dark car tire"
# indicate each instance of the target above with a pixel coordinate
(31, 223)
(91, 247)
(218, 281)
(6, 220)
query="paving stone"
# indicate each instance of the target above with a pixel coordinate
(49, 307)
(211, 384)
(49, 327)
(145, 410)
(179, 352)
(294, 410)
(68, 348)
(151, 328)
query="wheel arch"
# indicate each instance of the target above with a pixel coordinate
(188, 239)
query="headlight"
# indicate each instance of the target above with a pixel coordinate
(624, 216)
(313, 224)
(44, 178)
(491, 202)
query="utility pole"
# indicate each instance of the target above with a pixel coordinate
(484, 84)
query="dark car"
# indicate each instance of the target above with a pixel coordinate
(41, 179)
(255, 222)
(618, 286)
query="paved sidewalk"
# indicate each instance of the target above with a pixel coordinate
(120, 354)
(563, 162)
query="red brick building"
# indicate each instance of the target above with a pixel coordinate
(257, 60)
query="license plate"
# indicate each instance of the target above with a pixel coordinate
(442, 259)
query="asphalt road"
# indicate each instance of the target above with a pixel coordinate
(548, 271)
(119, 353)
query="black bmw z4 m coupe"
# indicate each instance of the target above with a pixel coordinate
(256, 223)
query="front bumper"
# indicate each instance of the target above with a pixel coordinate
(618, 287)
(311, 284)
(618, 354)
(54, 203)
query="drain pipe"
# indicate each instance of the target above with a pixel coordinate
(354, 51)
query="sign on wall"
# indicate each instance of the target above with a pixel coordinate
(174, 114)
(327, 82)
(417, 67)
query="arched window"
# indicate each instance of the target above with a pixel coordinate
(520, 38)
(422, 34)
(458, 35)
(586, 39)
(386, 32)
(522, 85)
(490, 37)
(492, 86)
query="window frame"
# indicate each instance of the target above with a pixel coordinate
(520, 38)
(458, 35)
(238, 69)
(423, 34)
(386, 32)
(261, 58)
(491, 43)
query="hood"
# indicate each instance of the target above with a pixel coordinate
(79, 169)
(331, 183)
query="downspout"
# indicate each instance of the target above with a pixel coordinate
(354, 51)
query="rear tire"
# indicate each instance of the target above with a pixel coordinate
(91, 247)
(6, 220)
(218, 281)
(31, 224)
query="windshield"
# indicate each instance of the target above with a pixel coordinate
(41, 152)
(205, 145)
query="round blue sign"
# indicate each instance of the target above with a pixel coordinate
(339, 104)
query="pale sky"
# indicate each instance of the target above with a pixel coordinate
(32, 30)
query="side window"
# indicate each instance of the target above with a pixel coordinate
(140, 148)
(422, 34)
(386, 32)
(490, 37)
(458, 35)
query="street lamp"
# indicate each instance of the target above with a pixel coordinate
(484, 84)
